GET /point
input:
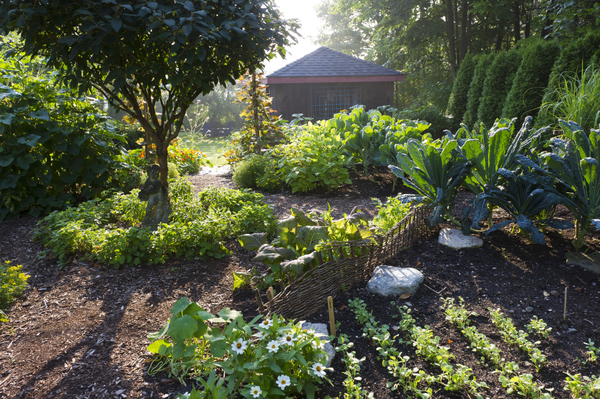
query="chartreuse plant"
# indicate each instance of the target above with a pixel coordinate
(12, 284)
(352, 373)
(435, 171)
(268, 358)
(573, 164)
(583, 387)
(109, 230)
(518, 338)
(407, 379)
(390, 214)
(314, 158)
(521, 384)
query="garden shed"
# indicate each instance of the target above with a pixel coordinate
(322, 83)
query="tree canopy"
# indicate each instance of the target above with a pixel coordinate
(159, 55)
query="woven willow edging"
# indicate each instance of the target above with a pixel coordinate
(353, 262)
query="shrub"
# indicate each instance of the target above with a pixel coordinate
(483, 63)
(270, 180)
(54, 149)
(457, 104)
(248, 171)
(528, 86)
(109, 230)
(314, 158)
(498, 82)
(12, 284)
(438, 122)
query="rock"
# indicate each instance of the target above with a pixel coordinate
(587, 261)
(529, 309)
(391, 280)
(554, 292)
(323, 334)
(455, 239)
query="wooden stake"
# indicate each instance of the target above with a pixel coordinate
(331, 316)
(565, 311)
(270, 293)
(259, 300)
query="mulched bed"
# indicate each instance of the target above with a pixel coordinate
(80, 332)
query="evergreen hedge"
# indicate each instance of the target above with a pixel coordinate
(498, 82)
(528, 86)
(457, 104)
(482, 63)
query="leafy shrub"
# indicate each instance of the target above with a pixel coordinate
(532, 77)
(498, 82)
(390, 213)
(12, 283)
(457, 104)
(248, 171)
(187, 161)
(314, 158)
(476, 87)
(54, 149)
(109, 230)
(272, 357)
(271, 179)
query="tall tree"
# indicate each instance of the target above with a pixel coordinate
(163, 53)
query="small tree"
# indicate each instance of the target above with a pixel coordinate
(457, 104)
(260, 129)
(164, 53)
(476, 87)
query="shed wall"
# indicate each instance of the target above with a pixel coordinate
(311, 99)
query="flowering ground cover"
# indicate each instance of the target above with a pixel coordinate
(81, 331)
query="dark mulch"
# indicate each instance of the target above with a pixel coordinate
(80, 332)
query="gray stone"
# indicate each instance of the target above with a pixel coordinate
(587, 261)
(391, 280)
(455, 239)
(529, 309)
(323, 334)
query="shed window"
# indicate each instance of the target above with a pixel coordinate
(328, 101)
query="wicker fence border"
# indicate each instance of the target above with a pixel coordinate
(353, 263)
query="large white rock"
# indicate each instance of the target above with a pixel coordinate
(322, 332)
(455, 238)
(391, 280)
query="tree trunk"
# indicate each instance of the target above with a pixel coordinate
(451, 37)
(255, 111)
(517, 21)
(464, 37)
(162, 155)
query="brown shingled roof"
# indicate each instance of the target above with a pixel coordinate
(326, 65)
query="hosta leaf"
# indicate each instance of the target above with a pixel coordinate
(180, 305)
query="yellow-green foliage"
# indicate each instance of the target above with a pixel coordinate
(12, 283)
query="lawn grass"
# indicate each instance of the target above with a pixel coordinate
(211, 146)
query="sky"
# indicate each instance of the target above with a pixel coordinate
(304, 10)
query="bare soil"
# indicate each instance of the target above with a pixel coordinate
(80, 331)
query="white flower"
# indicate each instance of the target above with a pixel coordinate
(239, 346)
(255, 391)
(260, 334)
(319, 369)
(289, 339)
(283, 381)
(266, 323)
(273, 346)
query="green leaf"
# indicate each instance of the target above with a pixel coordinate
(180, 305)
(30, 140)
(269, 254)
(155, 346)
(6, 160)
(40, 114)
(116, 24)
(183, 328)
(229, 314)
(302, 218)
(253, 241)
(241, 280)
(307, 237)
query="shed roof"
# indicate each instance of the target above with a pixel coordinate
(329, 66)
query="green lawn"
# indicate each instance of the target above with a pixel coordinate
(211, 146)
